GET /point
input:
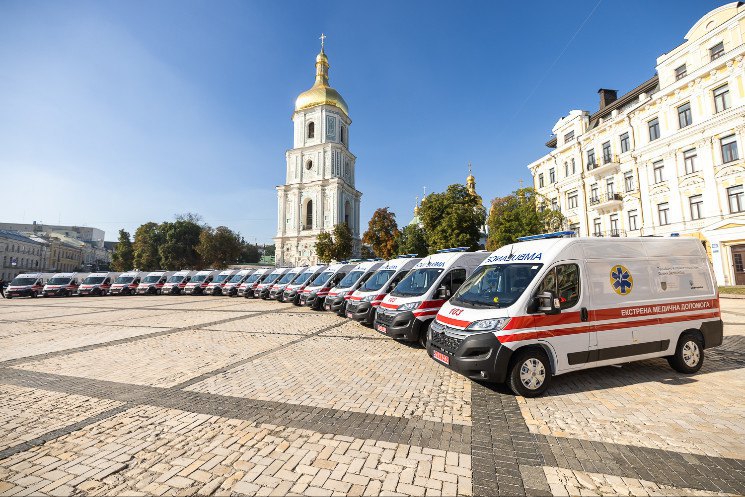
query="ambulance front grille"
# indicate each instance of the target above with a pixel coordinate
(446, 343)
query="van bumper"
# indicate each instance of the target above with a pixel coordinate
(361, 311)
(401, 325)
(713, 332)
(336, 305)
(479, 357)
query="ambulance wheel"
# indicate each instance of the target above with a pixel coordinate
(530, 373)
(33, 295)
(689, 354)
(423, 329)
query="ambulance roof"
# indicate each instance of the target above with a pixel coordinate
(262, 270)
(447, 259)
(182, 272)
(155, 273)
(98, 274)
(315, 268)
(398, 263)
(63, 275)
(207, 271)
(228, 271)
(244, 271)
(367, 265)
(296, 270)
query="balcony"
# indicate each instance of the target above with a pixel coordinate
(609, 164)
(610, 233)
(606, 201)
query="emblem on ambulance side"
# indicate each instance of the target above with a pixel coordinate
(621, 280)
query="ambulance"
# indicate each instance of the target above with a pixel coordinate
(98, 284)
(550, 305)
(278, 289)
(126, 283)
(177, 282)
(27, 285)
(152, 284)
(315, 293)
(406, 312)
(295, 289)
(231, 287)
(263, 288)
(336, 301)
(363, 303)
(63, 284)
(215, 288)
(247, 287)
(199, 282)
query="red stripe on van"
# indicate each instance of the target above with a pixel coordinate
(454, 322)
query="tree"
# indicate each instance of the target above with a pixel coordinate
(325, 247)
(382, 233)
(521, 213)
(219, 247)
(145, 247)
(249, 253)
(412, 241)
(452, 219)
(337, 246)
(179, 248)
(366, 252)
(269, 250)
(122, 258)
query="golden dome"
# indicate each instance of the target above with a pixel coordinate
(321, 93)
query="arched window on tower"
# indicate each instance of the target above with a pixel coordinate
(347, 213)
(342, 132)
(311, 130)
(308, 215)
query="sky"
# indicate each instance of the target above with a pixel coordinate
(113, 114)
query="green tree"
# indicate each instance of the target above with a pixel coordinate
(522, 213)
(219, 247)
(179, 248)
(412, 241)
(122, 258)
(270, 250)
(453, 218)
(366, 252)
(343, 242)
(325, 247)
(382, 233)
(145, 247)
(249, 253)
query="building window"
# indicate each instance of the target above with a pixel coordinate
(309, 215)
(729, 149)
(663, 210)
(573, 167)
(625, 142)
(659, 172)
(574, 227)
(342, 131)
(628, 181)
(721, 99)
(591, 159)
(717, 50)
(689, 161)
(309, 165)
(552, 175)
(594, 194)
(566, 169)
(632, 220)
(311, 130)
(736, 201)
(555, 204)
(596, 227)
(572, 198)
(540, 180)
(684, 115)
(696, 203)
(569, 137)
(609, 187)
(654, 129)
(680, 72)
(606, 153)
(614, 231)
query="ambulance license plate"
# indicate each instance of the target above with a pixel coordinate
(349, 315)
(382, 329)
(441, 357)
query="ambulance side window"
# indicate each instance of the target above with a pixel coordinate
(396, 280)
(563, 281)
(457, 277)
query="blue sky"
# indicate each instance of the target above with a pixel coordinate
(113, 114)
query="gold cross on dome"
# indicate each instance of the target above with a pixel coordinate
(470, 171)
(322, 38)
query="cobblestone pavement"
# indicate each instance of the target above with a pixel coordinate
(218, 396)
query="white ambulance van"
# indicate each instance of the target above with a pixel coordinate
(263, 288)
(27, 285)
(152, 284)
(336, 300)
(315, 293)
(295, 289)
(126, 283)
(277, 290)
(247, 287)
(231, 286)
(63, 284)
(550, 305)
(222, 278)
(406, 312)
(199, 282)
(363, 303)
(177, 282)
(98, 284)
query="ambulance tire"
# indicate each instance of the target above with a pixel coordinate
(529, 366)
(33, 295)
(423, 330)
(689, 354)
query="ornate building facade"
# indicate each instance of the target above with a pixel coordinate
(319, 190)
(666, 158)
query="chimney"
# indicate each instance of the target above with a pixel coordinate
(607, 97)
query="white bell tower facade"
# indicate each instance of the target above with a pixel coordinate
(319, 189)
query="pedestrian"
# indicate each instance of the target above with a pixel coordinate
(2, 287)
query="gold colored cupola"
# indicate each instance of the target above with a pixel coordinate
(321, 93)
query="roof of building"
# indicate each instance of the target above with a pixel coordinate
(321, 93)
(19, 237)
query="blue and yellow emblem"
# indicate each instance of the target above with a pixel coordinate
(621, 280)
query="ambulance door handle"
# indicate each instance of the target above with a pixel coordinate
(583, 314)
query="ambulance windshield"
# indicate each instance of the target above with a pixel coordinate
(322, 278)
(237, 278)
(220, 278)
(59, 281)
(377, 280)
(176, 278)
(124, 279)
(302, 278)
(152, 278)
(21, 281)
(94, 280)
(498, 286)
(350, 279)
(271, 278)
(253, 278)
(287, 278)
(417, 282)
(199, 278)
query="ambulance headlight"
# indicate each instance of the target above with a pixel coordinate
(410, 306)
(368, 298)
(488, 324)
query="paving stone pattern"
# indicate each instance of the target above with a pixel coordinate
(218, 396)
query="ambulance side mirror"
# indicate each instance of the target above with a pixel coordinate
(443, 292)
(548, 303)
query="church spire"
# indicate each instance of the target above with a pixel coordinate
(322, 66)
(471, 181)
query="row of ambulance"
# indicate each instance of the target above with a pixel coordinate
(546, 306)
